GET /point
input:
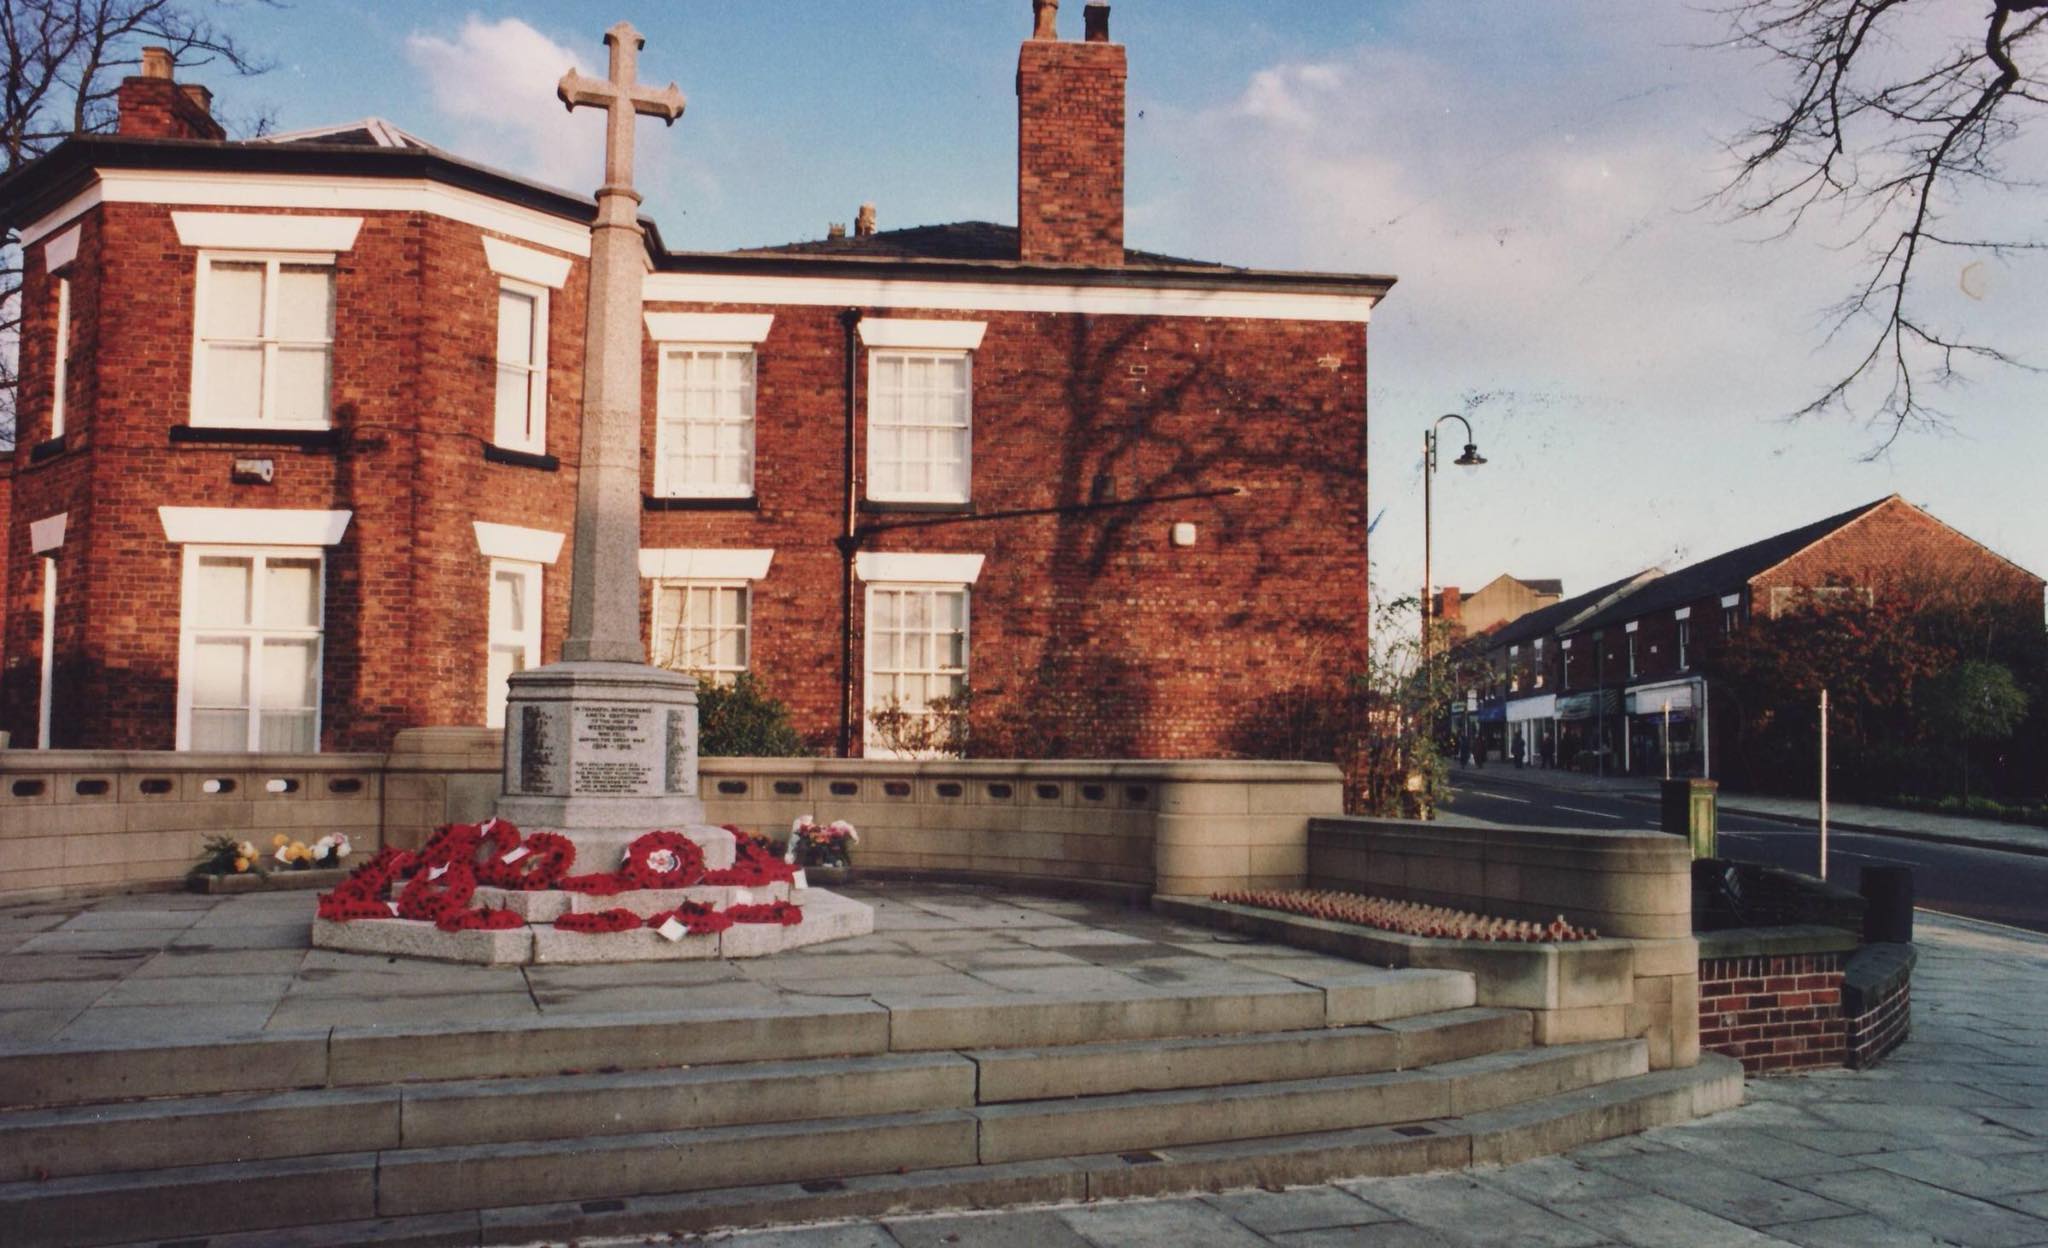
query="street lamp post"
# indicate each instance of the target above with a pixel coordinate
(1470, 459)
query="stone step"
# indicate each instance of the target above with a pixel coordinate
(244, 1126)
(1212, 1061)
(187, 1131)
(1034, 1130)
(51, 1074)
(1539, 1127)
(406, 1180)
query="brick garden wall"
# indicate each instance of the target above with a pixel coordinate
(1774, 1014)
(1877, 1002)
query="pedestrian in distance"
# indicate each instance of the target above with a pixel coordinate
(1520, 749)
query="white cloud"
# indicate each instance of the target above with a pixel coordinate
(494, 82)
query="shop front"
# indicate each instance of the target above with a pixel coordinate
(1589, 731)
(1667, 729)
(1532, 725)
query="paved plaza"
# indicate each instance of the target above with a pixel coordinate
(183, 967)
(1947, 1143)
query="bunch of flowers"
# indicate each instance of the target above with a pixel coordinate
(224, 855)
(813, 845)
(329, 850)
(1407, 917)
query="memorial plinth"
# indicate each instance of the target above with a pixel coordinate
(604, 752)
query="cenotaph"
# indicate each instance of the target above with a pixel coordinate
(601, 746)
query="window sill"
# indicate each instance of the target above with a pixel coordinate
(749, 502)
(493, 453)
(883, 507)
(49, 449)
(305, 439)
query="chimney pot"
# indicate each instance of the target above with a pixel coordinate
(836, 230)
(1096, 15)
(1045, 16)
(156, 62)
(864, 221)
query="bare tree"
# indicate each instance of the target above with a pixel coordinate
(61, 62)
(1883, 128)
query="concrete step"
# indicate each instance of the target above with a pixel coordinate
(184, 1131)
(51, 1075)
(1212, 1061)
(143, 1135)
(1244, 1111)
(1547, 1125)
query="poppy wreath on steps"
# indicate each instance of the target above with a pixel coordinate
(754, 866)
(696, 917)
(480, 921)
(437, 892)
(603, 922)
(662, 860)
(451, 843)
(773, 912)
(360, 896)
(539, 862)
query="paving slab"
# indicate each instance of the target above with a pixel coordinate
(1035, 1228)
(1297, 1209)
(1161, 1224)
(1462, 1210)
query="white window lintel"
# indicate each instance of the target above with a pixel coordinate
(61, 250)
(681, 563)
(253, 526)
(875, 565)
(47, 534)
(511, 541)
(265, 231)
(1683, 613)
(526, 264)
(1731, 600)
(713, 328)
(1630, 627)
(884, 331)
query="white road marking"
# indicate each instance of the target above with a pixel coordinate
(1491, 796)
(1597, 814)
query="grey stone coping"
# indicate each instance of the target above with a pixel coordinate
(1774, 942)
(1874, 972)
(146, 761)
(1449, 839)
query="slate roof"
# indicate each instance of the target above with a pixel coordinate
(956, 240)
(1543, 584)
(1724, 573)
(1542, 621)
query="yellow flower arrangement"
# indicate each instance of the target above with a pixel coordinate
(241, 865)
(280, 840)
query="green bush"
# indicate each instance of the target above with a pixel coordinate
(741, 720)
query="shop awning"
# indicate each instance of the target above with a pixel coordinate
(1532, 708)
(1650, 699)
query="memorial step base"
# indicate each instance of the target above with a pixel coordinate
(827, 916)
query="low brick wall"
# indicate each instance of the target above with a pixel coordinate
(72, 820)
(1877, 1003)
(1772, 997)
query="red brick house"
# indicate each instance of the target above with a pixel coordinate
(299, 435)
(1605, 677)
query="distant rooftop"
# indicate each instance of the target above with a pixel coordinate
(369, 132)
(957, 240)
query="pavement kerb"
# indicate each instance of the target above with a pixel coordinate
(1866, 829)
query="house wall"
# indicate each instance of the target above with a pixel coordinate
(1898, 548)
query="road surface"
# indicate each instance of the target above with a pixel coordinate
(1955, 879)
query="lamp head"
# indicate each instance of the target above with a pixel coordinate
(1471, 458)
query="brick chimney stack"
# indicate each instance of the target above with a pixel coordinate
(153, 106)
(1070, 144)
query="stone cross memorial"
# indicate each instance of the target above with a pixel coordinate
(602, 746)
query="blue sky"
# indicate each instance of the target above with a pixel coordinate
(1532, 173)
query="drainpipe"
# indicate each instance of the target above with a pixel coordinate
(848, 541)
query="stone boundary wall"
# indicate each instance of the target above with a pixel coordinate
(72, 820)
(75, 820)
(1631, 884)
(1877, 1003)
(1772, 997)
(1635, 888)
